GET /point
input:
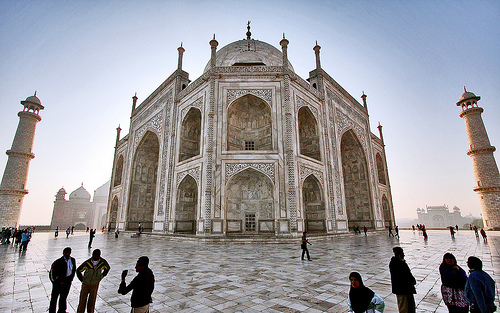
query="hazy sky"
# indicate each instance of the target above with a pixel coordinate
(86, 59)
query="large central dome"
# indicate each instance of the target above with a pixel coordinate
(249, 53)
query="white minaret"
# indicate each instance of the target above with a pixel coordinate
(483, 161)
(13, 186)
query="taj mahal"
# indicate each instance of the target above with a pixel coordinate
(250, 149)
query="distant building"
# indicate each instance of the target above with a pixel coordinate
(441, 217)
(78, 210)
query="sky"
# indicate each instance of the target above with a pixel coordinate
(86, 59)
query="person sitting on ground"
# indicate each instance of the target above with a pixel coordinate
(361, 298)
(453, 279)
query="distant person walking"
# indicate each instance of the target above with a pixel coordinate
(72, 229)
(61, 275)
(361, 298)
(91, 237)
(476, 232)
(57, 232)
(397, 230)
(142, 285)
(402, 281)
(68, 231)
(303, 246)
(483, 234)
(456, 227)
(453, 279)
(480, 288)
(452, 232)
(25, 239)
(94, 270)
(365, 230)
(424, 233)
(390, 231)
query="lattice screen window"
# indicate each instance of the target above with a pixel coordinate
(249, 145)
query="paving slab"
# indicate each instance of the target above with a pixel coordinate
(196, 276)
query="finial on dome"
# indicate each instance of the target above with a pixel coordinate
(249, 34)
(214, 36)
(283, 35)
(35, 93)
(181, 44)
(316, 42)
(465, 90)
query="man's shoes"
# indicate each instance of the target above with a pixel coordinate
(309, 259)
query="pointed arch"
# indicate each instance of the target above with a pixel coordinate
(386, 207)
(117, 181)
(249, 124)
(314, 205)
(308, 134)
(190, 135)
(380, 169)
(250, 203)
(113, 212)
(356, 182)
(143, 183)
(186, 205)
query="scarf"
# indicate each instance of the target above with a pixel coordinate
(360, 297)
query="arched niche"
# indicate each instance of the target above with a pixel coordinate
(356, 182)
(113, 213)
(386, 208)
(249, 203)
(308, 134)
(117, 181)
(143, 183)
(190, 135)
(314, 205)
(186, 206)
(249, 124)
(380, 169)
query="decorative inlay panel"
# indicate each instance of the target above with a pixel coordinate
(248, 69)
(193, 172)
(155, 123)
(306, 171)
(302, 103)
(196, 104)
(264, 94)
(265, 168)
(162, 206)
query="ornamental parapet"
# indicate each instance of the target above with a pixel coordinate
(489, 149)
(17, 192)
(486, 188)
(30, 114)
(473, 110)
(21, 154)
(248, 69)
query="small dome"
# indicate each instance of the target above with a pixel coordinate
(238, 54)
(33, 99)
(467, 95)
(80, 194)
(102, 191)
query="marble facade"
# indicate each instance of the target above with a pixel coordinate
(251, 149)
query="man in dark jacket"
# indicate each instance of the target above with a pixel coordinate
(61, 275)
(480, 288)
(94, 269)
(142, 286)
(402, 281)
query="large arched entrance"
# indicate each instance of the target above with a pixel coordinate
(387, 211)
(113, 212)
(190, 135)
(308, 134)
(143, 183)
(185, 209)
(249, 204)
(314, 205)
(249, 124)
(356, 182)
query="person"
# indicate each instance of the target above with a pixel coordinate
(452, 232)
(3, 234)
(483, 234)
(117, 232)
(453, 279)
(456, 227)
(303, 245)
(91, 235)
(72, 229)
(475, 231)
(61, 275)
(94, 270)
(57, 232)
(109, 228)
(402, 281)
(361, 298)
(397, 230)
(480, 288)
(87, 229)
(390, 231)
(142, 285)
(413, 227)
(25, 239)
(68, 231)
(424, 233)
(365, 230)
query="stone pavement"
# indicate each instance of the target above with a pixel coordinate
(242, 277)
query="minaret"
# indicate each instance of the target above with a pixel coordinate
(483, 161)
(13, 186)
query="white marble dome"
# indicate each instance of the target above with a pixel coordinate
(238, 53)
(80, 193)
